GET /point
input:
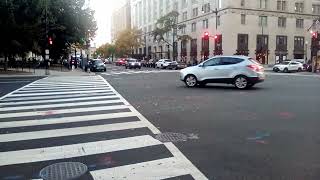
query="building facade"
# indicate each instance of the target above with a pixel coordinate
(267, 30)
(120, 20)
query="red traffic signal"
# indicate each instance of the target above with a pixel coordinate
(50, 41)
(206, 35)
(314, 34)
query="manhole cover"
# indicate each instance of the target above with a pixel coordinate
(63, 171)
(171, 137)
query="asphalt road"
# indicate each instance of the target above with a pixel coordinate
(9, 84)
(265, 133)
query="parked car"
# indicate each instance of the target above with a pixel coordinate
(242, 71)
(96, 65)
(177, 65)
(133, 63)
(121, 62)
(288, 66)
(163, 63)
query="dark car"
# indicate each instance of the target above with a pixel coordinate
(96, 65)
(177, 65)
(121, 62)
(133, 63)
(181, 65)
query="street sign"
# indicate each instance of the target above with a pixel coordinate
(47, 57)
(47, 51)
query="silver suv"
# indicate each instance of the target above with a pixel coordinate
(242, 71)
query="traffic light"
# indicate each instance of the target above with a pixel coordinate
(315, 35)
(206, 36)
(218, 44)
(50, 40)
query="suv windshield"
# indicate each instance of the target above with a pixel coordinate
(98, 62)
(132, 60)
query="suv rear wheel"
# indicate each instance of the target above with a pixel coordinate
(191, 81)
(241, 82)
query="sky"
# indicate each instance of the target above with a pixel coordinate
(103, 10)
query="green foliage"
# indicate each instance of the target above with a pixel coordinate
(27, 24)
(105, 51)
(166, 24)
(126, 41)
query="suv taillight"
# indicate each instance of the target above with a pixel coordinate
(255, 68)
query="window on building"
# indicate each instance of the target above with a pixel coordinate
(300, 23)
(184, 4)
(298, 43)
(161, 8)
(282, 22)
(281, 43)
(243, 44)
(183, 29)
(175, 5)
(242, 3)
(263, 21)
(184, 48)
(218, 21)
(281, 5)
(243, 19)
(263, 4)
(205, 24)
(316, 9)
(299, 7)
(194, 27)
(184, 16)
(194, 48)
(206, 8)
(194, 12)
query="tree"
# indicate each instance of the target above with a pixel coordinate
(126, 41)
(166, 24)
(26, 26)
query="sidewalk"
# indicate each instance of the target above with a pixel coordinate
(42, 72)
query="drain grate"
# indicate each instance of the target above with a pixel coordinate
(64, 171)
(171, 137)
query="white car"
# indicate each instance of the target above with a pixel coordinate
(163, 63)
(288, 66)
(242, 71)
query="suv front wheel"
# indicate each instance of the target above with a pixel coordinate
(241, 82)
(191, 81)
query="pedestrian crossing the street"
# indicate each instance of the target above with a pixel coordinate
(83, 119)
(116, 73)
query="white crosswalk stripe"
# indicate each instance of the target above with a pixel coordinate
(111, 73)
(58, 118)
